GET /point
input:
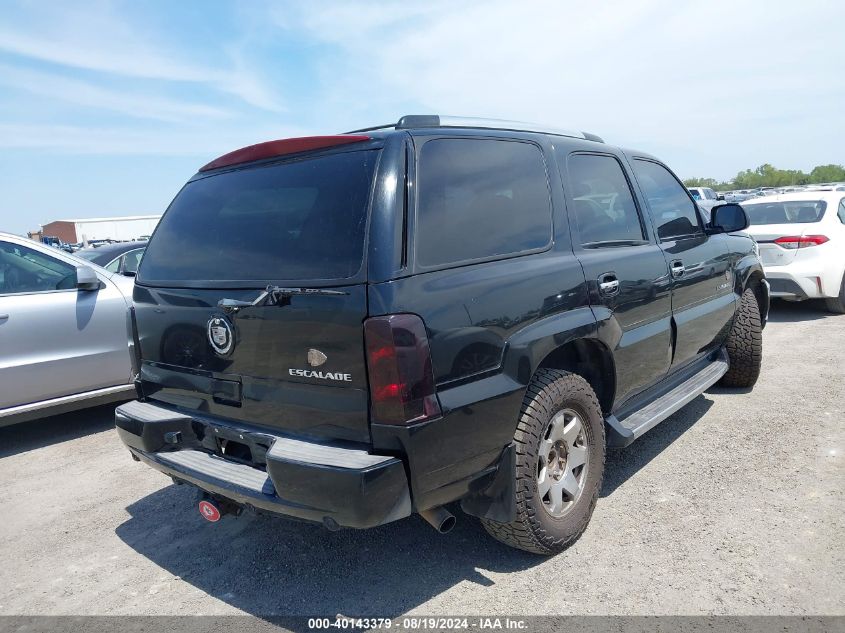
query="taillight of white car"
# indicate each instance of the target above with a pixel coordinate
(801, 241)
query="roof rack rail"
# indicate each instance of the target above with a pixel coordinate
(412, 121)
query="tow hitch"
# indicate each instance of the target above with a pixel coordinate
(212, 509)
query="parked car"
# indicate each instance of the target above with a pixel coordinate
(55, 242)
(802, 244)
(735, 196)
(350, 329)
(706, 198)
(121, 257)
(832, 187)
(63, 332)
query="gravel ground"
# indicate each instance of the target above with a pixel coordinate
(731, 506)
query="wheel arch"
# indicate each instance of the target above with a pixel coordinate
(590, 359)
(749, 274)
(761, 293)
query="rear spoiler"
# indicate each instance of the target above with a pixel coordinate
(282, 147)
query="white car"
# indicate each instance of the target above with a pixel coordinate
(802, 244)
(63, 332)
(706, 198)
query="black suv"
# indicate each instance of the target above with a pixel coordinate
(349, 329)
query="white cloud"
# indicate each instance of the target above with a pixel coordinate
(58, 87)
(182, 141)
(711, 87)
(93, 38)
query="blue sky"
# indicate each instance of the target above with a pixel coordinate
(107, 107)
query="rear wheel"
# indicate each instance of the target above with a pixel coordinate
(559, 464)
(837, 304)
(745, 344)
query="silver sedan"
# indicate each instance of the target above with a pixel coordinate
(63, 332)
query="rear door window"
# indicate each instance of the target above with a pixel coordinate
(673, 210)
(480, 199)
(297, 220)
(604, 205)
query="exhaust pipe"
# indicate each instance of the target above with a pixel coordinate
(439, 518)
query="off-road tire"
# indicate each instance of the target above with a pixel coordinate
(744, 344)
(534, 529)
(837, 304)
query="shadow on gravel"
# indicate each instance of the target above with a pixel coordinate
(275, 567)
(797, 311)
(267, 566)
(623, 464)
(19, 438)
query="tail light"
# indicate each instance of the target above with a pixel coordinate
(399, 368)
(801, 241)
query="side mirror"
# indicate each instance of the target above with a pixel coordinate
(86, 278)
(728, 218)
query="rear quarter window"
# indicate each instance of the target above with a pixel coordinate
(480, 199)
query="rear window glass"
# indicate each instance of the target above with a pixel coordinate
(288, 221)
(785, 212)
(481, 198)
(695, 194)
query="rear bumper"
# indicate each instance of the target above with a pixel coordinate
(805, 279)
(320, 482)
(791, 288)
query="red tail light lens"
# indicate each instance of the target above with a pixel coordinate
(801, 241)
(399, 368)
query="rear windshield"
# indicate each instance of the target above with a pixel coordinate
(695, 194)
(786, 212)
(300, 220)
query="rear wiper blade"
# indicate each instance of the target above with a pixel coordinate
(274, 295)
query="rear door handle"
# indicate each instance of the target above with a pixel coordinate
(3, 317)
(608, 284)
(677, 268)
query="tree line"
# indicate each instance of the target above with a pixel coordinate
(769, 176)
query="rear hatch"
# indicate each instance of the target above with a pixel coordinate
(251, 295)
(771, 221)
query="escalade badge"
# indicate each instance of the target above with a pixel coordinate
(220, 335)
(316, 357)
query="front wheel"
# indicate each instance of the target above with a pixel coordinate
(745, 344)
(559, 464)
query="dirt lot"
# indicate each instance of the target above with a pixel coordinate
(735, 505)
